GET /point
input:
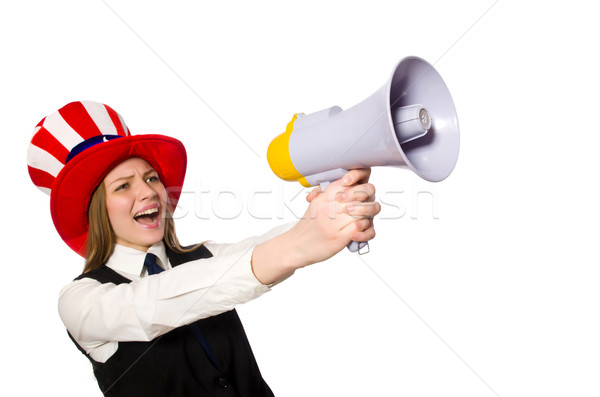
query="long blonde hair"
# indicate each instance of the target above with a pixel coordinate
(101, 237)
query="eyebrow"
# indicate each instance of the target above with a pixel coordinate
(127, 177)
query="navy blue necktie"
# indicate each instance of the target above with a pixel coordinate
(151, 265)
(153, 268)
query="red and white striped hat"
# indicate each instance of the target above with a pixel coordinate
(73, 149)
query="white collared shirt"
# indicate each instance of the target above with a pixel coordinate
(99, 316)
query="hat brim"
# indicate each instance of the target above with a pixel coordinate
(74, 185)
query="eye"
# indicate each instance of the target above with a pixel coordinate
(153, 178)
(120, 187)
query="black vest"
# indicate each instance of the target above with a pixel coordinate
(175, 364)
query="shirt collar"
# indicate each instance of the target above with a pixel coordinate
(131, 261)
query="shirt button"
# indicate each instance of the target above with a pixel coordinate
(223, 382)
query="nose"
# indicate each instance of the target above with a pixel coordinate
(145, 191)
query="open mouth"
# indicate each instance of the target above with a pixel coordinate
(147, 217)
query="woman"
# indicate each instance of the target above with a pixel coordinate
(153, 317)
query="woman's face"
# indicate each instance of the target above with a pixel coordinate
(135, 202)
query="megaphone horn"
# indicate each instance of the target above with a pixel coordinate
(409, 122)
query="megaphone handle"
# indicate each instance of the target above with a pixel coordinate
(353, 246)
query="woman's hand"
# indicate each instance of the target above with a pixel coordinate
(342, 213)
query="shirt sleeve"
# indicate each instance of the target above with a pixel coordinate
(96, 313)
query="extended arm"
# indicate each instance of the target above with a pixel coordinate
(342, 213)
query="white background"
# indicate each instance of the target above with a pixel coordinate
(485, 284)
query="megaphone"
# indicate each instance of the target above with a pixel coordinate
(410, 122)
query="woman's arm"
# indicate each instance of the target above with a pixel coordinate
(342, 213)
